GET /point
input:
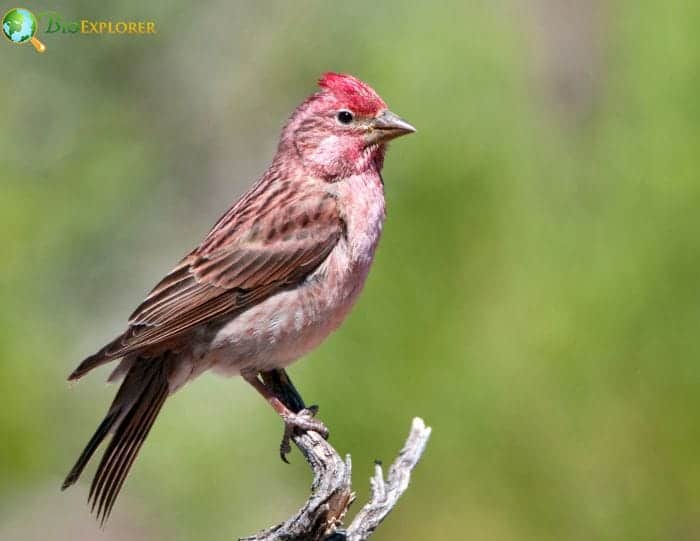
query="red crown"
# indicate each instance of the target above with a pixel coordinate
(352, 93)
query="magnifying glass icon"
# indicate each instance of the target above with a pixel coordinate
(19, 25)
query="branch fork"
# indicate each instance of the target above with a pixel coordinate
(321, 517)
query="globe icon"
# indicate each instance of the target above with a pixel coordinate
(19, 26)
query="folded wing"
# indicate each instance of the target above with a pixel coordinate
(256, 249)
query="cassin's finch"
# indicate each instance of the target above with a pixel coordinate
(274, 277)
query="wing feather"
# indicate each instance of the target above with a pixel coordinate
(240, 263)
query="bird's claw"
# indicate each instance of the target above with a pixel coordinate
(302, 421)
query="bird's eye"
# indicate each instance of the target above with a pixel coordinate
(344, 117)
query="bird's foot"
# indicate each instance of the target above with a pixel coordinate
(303, 421)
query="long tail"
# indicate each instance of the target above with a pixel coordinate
(130, 419)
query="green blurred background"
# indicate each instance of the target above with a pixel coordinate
(534, 298)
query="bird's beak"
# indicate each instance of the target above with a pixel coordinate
(387, 126)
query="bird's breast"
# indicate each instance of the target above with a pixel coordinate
(289, 324)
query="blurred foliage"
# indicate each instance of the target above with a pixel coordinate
(534, 296)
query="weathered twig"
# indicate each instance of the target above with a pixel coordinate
(331, 494)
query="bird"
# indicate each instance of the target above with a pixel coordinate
(277, 273)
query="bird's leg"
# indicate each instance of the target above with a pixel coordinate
(276, 387)
(280, 385)
(278, 382)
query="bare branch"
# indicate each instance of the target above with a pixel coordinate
(331, 494)
(386, 494)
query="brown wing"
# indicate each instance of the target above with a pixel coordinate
(257, 248)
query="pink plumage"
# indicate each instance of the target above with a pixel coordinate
(274, 277)
(359, 96)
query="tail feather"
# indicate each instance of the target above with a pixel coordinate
(121, 468)
(130, 418)
(90, 448)
(123, 448)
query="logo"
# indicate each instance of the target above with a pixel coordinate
(19, 26)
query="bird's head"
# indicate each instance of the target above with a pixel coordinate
(342, 129)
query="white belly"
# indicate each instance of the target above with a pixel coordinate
(289, 324)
